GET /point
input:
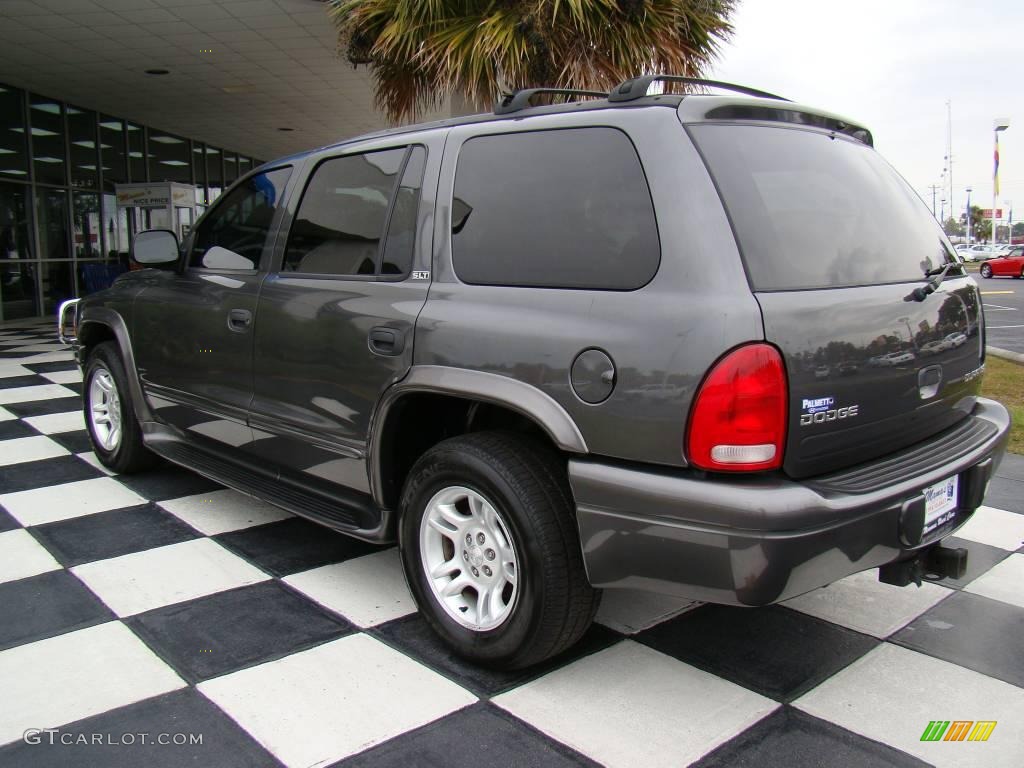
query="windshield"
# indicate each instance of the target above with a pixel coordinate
(814, 210)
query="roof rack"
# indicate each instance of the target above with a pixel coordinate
(513, 102)
(636, 88)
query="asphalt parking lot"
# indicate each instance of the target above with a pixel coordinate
(1004, 312)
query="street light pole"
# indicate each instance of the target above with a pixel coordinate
(968, 217)
(997, 126)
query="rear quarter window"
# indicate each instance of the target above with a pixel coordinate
(554, 209)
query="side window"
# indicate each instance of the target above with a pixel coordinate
(343, 213)
(401, 241)
(554, 209)
(233, 235)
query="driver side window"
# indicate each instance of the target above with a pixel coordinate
(233, 235)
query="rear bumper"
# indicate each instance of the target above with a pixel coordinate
(762, 539)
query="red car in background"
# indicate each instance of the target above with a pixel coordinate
(1009, 264)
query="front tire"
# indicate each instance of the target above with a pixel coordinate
(490, 549)
(109, 417)
(986, 271)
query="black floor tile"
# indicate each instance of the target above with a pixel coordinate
(1011, 467)
(168, 482)
(44, 407)
(223, 743)
(293, 545)
(46, 605)
(111, 534)
(791, 738)
(75, 386)
(980, 558)
(480, 735)
(52, 366)
(774, 651)
(230, 630)
(412, 636)
(13, 428)
(1005, 494)
(76, 442)
(37, 474)
(7, 523)
(31, 380)
(973, 631)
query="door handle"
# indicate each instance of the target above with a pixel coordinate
(239, 320)
(386, 341)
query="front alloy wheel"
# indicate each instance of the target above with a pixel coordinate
(986, 270)
(104, 408)
(469, 558)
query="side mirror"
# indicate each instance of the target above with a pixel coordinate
(156, 248)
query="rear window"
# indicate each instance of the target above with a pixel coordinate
(814, 210)
(553, 209)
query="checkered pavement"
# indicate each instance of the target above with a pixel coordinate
(162, 603)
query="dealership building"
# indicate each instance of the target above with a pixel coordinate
(123, 115)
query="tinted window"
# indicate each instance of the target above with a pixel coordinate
(401, 240)
(233, 235)
(815, 211)
(559, 209)
(341, 217)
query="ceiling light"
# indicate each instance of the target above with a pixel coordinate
(114, 125)
(158, 71)
(36, 131)
(172, 162)
(48, 159)
(6, 151)
(51, 108)
(13, 171)
(166, 139)
(134, 154)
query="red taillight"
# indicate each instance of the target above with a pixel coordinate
(738, 419)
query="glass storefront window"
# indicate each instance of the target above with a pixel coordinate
(244, 165)
(13, 157)
(84, 157)
(47, 129)
(17, 271)
(52, 217)
(214, 174)
(86, 211)
(136, 152)
(169, 158)
(112, 152)
(230, 168)
(199, 170)
(58, 283)
(116, 229)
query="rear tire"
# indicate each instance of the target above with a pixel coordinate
(109, 417)
(490, 549)
(986, 271)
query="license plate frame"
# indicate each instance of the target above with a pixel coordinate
(941, 500)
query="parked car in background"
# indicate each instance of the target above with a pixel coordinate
(955, 339)
(1008, 264)
(934, 347)
(979, 252)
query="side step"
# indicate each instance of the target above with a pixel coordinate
(347, 512)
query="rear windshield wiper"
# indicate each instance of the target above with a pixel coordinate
(939, 274)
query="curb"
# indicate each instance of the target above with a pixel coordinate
(1006, 354)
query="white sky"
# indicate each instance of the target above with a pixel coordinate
(891, 66)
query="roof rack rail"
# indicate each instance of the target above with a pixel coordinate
(636, 88)
(513, 102)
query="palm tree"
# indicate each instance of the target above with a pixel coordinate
(421, 51)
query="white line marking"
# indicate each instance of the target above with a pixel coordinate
(996, 327)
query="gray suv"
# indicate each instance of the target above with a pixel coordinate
(660, 342)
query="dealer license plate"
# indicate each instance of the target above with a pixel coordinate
(940, 503)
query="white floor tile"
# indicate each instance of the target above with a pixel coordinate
(30, 348)
(55, 423)
(892, 693)
(222, 511)
(15, 341)
(334, 700)
(63, 377)
(996, 527)
(863, 603)
(91, 460)
(75, 675)
(629, 611)
(38, 392)
(22, 449)
(142, 581)
(47, 357)
(22, 556)
(9, 371)
(630, 705)
(6, 415)
(61, 502)
(366, 590)
(1003, 582)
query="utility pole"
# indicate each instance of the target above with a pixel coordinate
(968, 216)
(933, 188)
(949, 154)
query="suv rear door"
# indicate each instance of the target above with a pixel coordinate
(335, 320)
(192, 331)
(834, 243)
